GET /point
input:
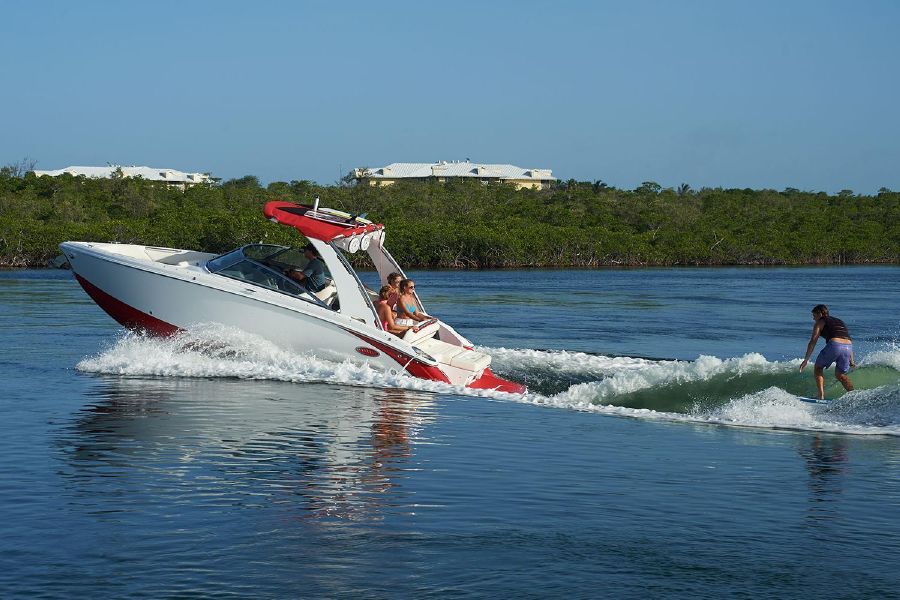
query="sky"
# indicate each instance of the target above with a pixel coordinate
(762, 94)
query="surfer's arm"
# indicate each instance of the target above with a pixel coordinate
(817, 329)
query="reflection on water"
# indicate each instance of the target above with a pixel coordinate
(826, 462)
(319, 451)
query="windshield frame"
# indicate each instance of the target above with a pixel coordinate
(225, 261)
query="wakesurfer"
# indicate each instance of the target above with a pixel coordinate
(838, 349)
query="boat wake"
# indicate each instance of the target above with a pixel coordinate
(748, 391)
(217, 351)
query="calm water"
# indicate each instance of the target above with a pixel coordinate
(661, 449)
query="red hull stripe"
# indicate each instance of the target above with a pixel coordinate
(416, 368)
(489, 381)
(126, 315)
(413, 366)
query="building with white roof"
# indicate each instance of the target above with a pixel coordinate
(172, 177)
(444, 170)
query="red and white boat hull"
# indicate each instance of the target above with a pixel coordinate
(163, 291)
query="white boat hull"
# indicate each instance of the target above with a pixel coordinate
(141, 292)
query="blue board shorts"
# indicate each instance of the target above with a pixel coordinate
(835, 353)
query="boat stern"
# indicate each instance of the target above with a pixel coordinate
(489, 381)
(459, 364)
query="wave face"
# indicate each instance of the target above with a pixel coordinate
(748, 391)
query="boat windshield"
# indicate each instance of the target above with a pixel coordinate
(251, 264)
(264, 252)
(226, 260)
(263, 265)
(257, 274)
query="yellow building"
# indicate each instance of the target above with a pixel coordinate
(444, 170)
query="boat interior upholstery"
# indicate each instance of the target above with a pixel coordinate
(327, 294)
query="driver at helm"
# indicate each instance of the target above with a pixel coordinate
(312, 276)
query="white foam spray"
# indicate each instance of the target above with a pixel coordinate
(218, 351)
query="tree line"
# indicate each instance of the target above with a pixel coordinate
(464, 224)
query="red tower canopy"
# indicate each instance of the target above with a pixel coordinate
(324, 224)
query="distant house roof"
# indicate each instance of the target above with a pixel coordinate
(149, 173)
(454, 169)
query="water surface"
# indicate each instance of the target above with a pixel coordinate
(660, 450)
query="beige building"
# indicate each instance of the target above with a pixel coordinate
(444, 170)
(173, 178)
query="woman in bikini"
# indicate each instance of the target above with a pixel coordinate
(386, 315)
(393, 280)
(408, 311)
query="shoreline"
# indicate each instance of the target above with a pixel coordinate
(459, 226)
(609, 266)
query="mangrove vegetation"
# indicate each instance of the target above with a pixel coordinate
(464, 224)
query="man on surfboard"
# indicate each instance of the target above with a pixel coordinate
(838, 349)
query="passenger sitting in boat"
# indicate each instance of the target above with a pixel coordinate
(393, 280)
(407, 306)
(313, 275)
(386, 315)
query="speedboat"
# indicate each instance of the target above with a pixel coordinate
(162, 291)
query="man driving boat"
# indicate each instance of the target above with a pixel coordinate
(313, 274)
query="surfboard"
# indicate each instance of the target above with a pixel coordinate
(812, 400)
(337, 217)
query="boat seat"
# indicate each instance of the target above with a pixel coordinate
(455, 356)
(426, 332)
(327, 294)
(471, 360)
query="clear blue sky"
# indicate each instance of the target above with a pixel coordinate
(763, 94)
